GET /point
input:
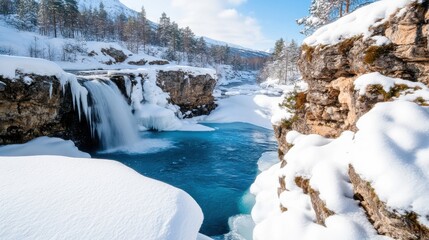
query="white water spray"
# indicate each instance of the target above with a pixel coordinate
(109, 116)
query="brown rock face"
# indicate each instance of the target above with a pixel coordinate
(193, 94)
(385, 221)
(28, 111)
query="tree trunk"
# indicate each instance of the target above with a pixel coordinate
(347, 6)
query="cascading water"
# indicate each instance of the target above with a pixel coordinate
(109, 115)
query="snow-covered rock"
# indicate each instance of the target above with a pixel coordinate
(356, 23)
(44, 146)
(389, 147)
(47, 197)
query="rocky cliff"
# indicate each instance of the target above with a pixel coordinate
(192, 93)
(32, 106)
(396, 47)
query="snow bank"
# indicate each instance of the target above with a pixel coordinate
(44, 146)
(257, 110)
(390, 146)
(9, 65)
(267, 160)
(387, 83)
(356, 23)
(49, 197)
(416, 92)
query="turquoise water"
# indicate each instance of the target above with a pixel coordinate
(215, 168)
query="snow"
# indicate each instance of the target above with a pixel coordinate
(265, 189)
(112, 7)
(381, 40)
(241, 227)
(104, 200)
(17, 42)
(43, 146)
(267, 160)
(256, 110)
(9, 65)
(387, 83)
(356, 23)
(391, 142)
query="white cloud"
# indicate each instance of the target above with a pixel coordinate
(217, 19)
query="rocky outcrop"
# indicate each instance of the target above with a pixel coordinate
(384, 220)
(333, 105)
(116, 54)
(192, 93)
(159, 62)
(33, 106)
(397, 48)
(319, 206)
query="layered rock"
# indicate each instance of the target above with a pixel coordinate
(32, 106)
(192, 93)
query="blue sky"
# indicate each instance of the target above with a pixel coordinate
(254, 24)
(277, 18)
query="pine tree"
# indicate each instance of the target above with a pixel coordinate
(56, 12)
(144, 31)
(101, 22)
(71, 16)
(120, 22)
(131, 34)
(279, 47)
(43, 18)
(201, 51)
(163, 30)
(27, 13)
(6, 7)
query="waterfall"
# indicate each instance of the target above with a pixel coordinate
(109, 116)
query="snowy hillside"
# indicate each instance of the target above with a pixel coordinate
(112, 7)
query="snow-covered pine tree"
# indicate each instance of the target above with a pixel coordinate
(144, 30)
(27, 14)
(6, 7)
(201, 51)
(279, 47)
(43, 18)
(101, 22)
(283, 64)
(119, 26)
(163, 30)
(70, 17)
(322, 12)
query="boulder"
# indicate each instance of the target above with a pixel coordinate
(192, 93)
